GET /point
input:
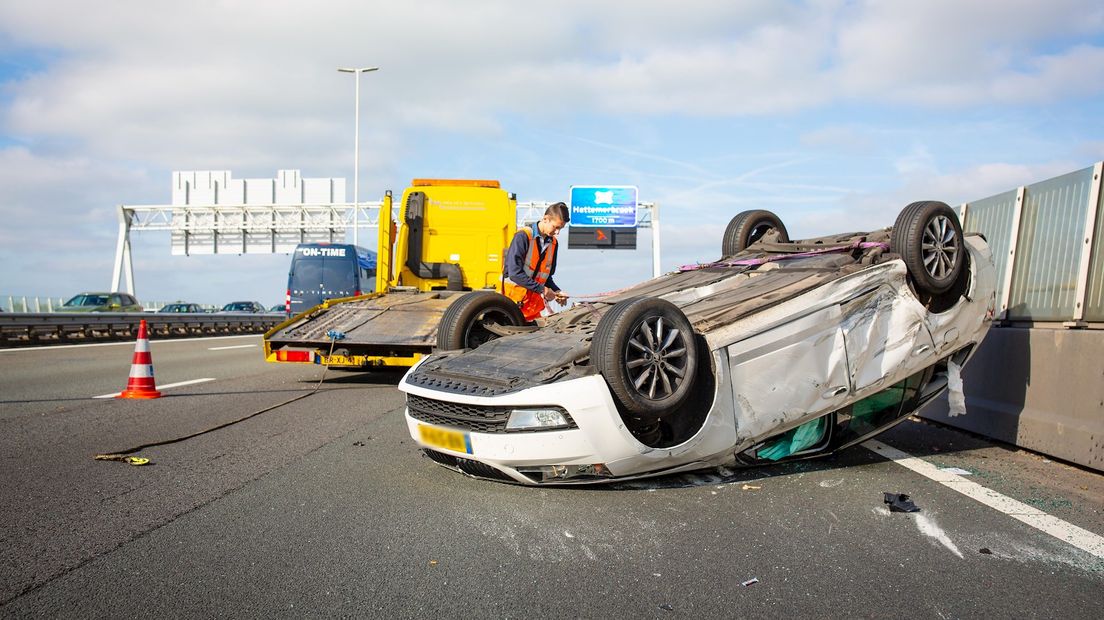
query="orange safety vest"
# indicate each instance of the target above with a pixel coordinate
(538, 268)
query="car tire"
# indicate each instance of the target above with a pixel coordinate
(647, 351)
(461, 326)
(928, 237)
(748, 227)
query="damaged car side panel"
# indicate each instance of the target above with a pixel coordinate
(883, 331)
(788, 374)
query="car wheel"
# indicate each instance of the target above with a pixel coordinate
(748, 227)
(463, 325)
(928, 237)
(646, 350)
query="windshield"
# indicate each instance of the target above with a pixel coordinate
(87, 300)
(324, 274)
(238, 306)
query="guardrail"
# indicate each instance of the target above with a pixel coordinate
(38, 305)
(36, 329)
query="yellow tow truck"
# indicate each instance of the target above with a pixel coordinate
(438, 282)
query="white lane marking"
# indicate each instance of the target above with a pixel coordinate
(129, 343)
(1068, 532)
(162, 387)
(237, 346)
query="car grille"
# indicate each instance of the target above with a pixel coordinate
(475, 468)
(477, 418)
(440, 457)
(468, 466)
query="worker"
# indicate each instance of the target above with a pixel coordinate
(531, 261)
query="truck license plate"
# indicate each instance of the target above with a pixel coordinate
(456, 441)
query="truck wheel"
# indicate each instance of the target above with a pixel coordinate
(645, 349)
(929, 239)
(463, 324)
(748, 227)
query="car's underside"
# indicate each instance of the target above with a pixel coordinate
(711, 295)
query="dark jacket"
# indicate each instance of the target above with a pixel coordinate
(517, 255)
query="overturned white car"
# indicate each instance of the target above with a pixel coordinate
(779, 350)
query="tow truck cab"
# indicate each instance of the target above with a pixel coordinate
(453, 234)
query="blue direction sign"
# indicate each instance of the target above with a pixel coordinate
(593, 205)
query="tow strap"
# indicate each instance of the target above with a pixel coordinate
(122, 457)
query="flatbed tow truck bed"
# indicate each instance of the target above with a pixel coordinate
(397, 327)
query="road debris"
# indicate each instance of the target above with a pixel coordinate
(985, 551)
(751, 581)
(129, 460)
(900, 502)
(928, 527)
(956, 398)
(750, 487)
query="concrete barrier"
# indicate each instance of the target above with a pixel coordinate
(1040, 389)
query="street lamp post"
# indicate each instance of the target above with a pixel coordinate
(356, 150)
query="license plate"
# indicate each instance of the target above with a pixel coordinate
(456, 441)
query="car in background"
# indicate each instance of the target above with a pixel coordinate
(181, 307)
(278, 309)
(250, 307)
(779, 350)
(102, 302)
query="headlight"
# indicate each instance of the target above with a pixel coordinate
(521, 419)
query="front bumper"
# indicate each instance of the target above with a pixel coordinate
(599, 450)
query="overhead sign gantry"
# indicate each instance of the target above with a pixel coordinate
(213, 213)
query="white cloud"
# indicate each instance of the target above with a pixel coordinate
(982, 181)
(540, 96)
(240, 73)
(82, 191)
(877, 209)
(963, 53)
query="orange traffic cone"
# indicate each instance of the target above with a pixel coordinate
(141, 384)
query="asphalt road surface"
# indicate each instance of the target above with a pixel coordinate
(324, 507)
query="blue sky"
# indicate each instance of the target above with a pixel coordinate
(834, 114)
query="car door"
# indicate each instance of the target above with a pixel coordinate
(886, 337)
(788, 374)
